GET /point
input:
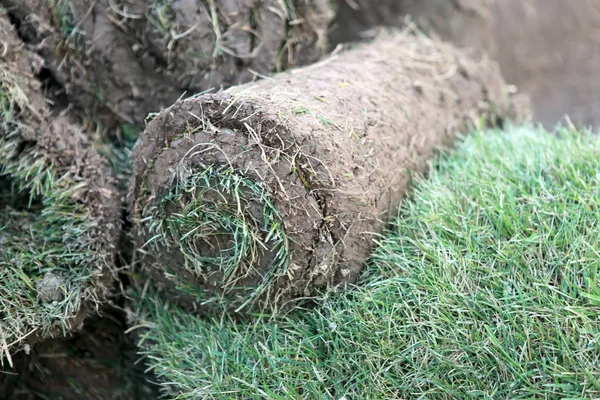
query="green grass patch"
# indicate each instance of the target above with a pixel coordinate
(485, 288)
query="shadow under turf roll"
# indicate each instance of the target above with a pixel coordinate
(265, 192)
(97, 362)
(59, 210)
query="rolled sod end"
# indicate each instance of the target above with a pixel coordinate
(59, 210)
(268, 192)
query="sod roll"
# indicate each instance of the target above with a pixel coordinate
(265, 192)
(127, 58)
(59, 210)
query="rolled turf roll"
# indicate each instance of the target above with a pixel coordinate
(462, 22)
(133, 57)
(264, 192)
(216, 43)
(59, 210)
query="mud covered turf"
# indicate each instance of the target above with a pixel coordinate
(486, 288)
(266, 192)
(59, 211)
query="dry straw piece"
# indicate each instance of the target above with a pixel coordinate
(263, 193)
(59, 210)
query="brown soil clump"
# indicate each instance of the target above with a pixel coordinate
(268, 191)
(59, 209)
(133, 57)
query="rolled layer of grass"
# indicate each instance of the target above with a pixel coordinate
(215, 43)
(59, 210)
(486, 288)
(123, 59)
(270, 192)
(465, 23)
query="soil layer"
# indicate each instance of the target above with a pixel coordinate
(267, 191)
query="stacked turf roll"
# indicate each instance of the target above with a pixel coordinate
(59, 209)
(127, 58)
(266, 192)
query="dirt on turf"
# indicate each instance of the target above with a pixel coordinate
(549, 50)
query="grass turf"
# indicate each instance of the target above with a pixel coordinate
(485, 288)
(213, 204)
(45, 231)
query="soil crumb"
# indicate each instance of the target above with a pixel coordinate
(50, 288)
